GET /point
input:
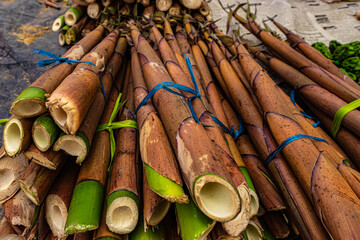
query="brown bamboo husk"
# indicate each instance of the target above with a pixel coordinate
(260, 135)
(5, 228)
(162, 160)
(314, 55)
(148, 14)
(352, 177)
(37, 181)
(172, 231)
(20, 137)
(155, 207)
(163, 5)
(91, 120)
(125, 174)
(50, 236)
(11, 169)
(2, 152)
(218, 233)
(277, 224)
(58, 200)
(49, 159)
(313, 169)
(52, 78)
(69, 108)
(20, 211)
(40, 228)
(178, 125)
(83, 235)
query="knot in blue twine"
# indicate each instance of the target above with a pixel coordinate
(273, 154)
(56, 60)
(166, 85)
(317, 121)
(232, 132)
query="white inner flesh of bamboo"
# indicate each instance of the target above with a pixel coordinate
(56, 25)
(13, 136)
(159, 213)
(29, 193)
(57, 217)
(72, 145)
(122, 215)
(70, 18)
(253, 232)
(41, 138)
(56, 214)
(6, 178)
(28, 107)
(93, 10)
(217, 199)
(59, 115)
(204, 11)
(61, 39)
(254, 203)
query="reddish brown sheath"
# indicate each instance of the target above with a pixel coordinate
(172, 231)
(49, 159)
(218, 233)
(2, 152)
(295, 198)
(179, 125)
(84, 235)
(59, 198)
(37, 181)
(68, 107)
(161, 159)
(276, 224)
(5, 227)
(352, 177)
(20, 211)
(314, 55)
(40, 228)
(313, 169)
(11, 170)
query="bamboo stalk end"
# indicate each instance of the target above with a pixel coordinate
(13, 136)
(30, 103)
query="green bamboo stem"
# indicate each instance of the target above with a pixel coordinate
(73, 14)
(72, 35)
(44, 132)
(61, 38)
(151, 233)
(11, 170)
(58, 23)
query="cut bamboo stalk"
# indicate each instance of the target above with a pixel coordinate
(11, 169)
(159, 162)
(172, 232)
(93, 10)
(17, 135)
(295, 198)
(204, 9)
(192, 222)
(314, 55)
(58, 200)
(148, 14)
(276, 224)
(317, 174)
(267, 233)
(58, 23)
(175, 10)
(151, 233)
(61, 38)
(89, 189)
(201, 176)
(67, 107)
(163, 5)
(44, 132)
(49, 159)
(191, 4)
(122, 202)
(79, 145)
(218, 233)
(20, 212)
(73, 34)
(31, 101)
(40, 227)
(84, 235)
(155, 207)
(73, 14)
(5, 228)
(352, 177)
(37, 181)
(145, 3)
(254, 230)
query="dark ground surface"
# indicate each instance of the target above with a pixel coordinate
(19, 19)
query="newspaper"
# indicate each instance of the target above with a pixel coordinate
(313, 20)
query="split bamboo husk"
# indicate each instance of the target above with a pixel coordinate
(159, 162)
(317, 174)
(49, 159)
(72, 35)
(11, 169)
(6, 229)
(122, 202)
(200, 178)
(73, 14)
(20, 212)
(296, 199)
(40, 227)
(218, 233)
(314, 55)
(276, 224)
(31, 101)
(155, 207)
(89, 190)
(37, 181)
(17, 135)
(69, 108)
(79, 145)
(58, 200)
(44, 132)
(352, 177)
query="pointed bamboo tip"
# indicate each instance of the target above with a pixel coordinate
(13, 136)
(29, 193)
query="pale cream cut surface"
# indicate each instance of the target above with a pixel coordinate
(70, 18)
(122, 215)
(13, 134)
(72, 145)
(6, 178)
(28, 107)
(254, 203)
(159, 213)
(41, 138)
(56, 214)
(56, 25)
(253, 231)
(29, 193)
(205, 234)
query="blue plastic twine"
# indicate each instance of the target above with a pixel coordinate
(234, 134)
(286, 142)
(292, 97)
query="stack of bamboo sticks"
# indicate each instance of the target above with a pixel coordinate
(168, 109)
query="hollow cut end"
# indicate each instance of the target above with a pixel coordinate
(28, 107)
(56, 214)
(254, 200)
(61, 39)
(93, 10)
(253, 231)
(122, 215)
(7, 177)
(205, 234)
(41, 138)
(159, 213)
(56, 25)
(29, 193)
(65, 113)
(13, 136)
(191, 4)
(216, 198)
(59, 115)
(70, 18)
(72, 145)
(204, 11)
